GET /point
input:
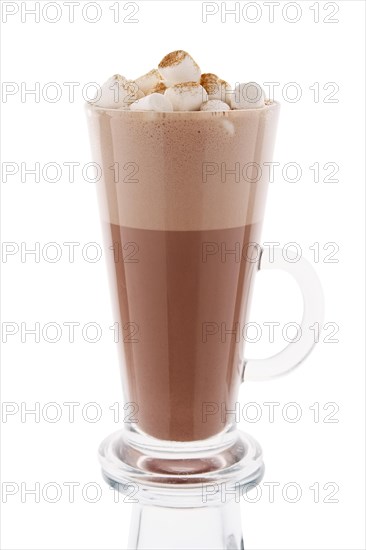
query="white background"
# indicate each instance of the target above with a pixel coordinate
(307, 212)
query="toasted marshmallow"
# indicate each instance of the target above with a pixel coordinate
(159, 88)
(148, 81)
(216, 87)
(214, 105)
(248, 95)
(177, 67)
(186, 96)
(131, 92)
(111, 96)
(152, 102)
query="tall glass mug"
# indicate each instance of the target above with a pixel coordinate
(182, 200)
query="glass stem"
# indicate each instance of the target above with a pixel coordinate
(211, 527)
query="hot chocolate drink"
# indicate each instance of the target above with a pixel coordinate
(183, 198)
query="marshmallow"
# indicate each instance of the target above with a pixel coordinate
(214, 105)
(248, 95)
(148, 81)
(178, 67)
(111, 93)
(159, 88)
(118, 93)
(187, 96)
(152, 102)
(178, 85)
(131, 92)
(216, 87)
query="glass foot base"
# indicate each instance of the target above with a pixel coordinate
(164, 470)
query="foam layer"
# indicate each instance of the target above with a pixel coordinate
(180, 170)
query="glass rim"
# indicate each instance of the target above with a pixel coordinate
(191, 114)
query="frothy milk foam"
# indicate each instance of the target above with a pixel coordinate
(185, 164)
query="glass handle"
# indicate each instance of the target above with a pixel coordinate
(295, 352)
